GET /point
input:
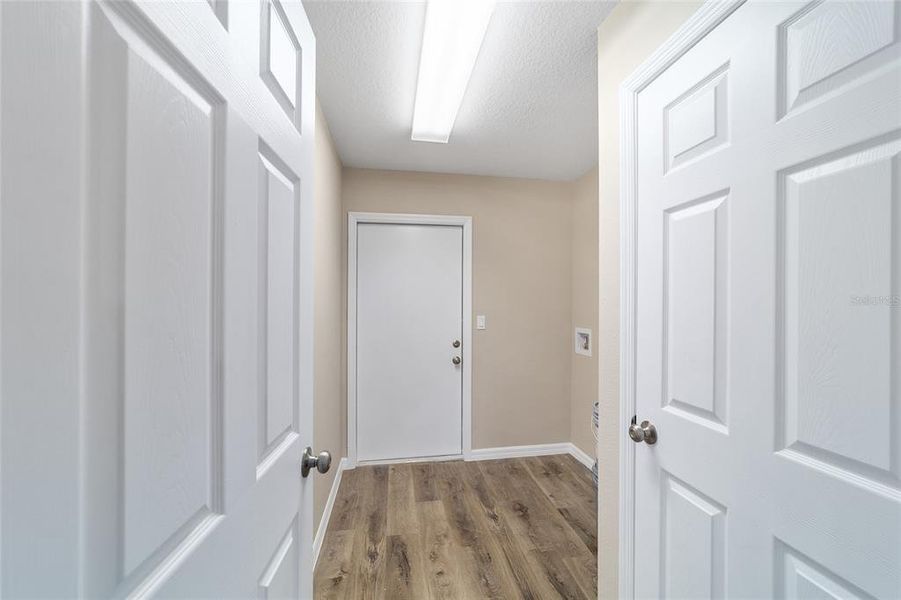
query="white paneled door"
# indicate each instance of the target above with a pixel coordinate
(156, 298)
(408, 340)
(768, 320)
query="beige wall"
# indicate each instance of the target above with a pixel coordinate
(328, 349)
(625, 39)
(584, 252)
(521, 282)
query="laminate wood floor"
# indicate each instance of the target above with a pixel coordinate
(513, 528)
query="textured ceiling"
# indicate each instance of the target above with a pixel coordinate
(530, 109)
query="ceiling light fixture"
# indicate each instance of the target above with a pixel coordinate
(453, 34)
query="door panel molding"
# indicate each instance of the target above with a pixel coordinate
(808, 159)
(353, 220)
(129, 425)
(705, 20)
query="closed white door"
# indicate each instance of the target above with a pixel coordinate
(156, 208)
(409, 303)
(768, 327)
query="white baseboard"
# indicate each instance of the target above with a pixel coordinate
(533, 450)
(519, 451)
(582, 456)
(327, 511)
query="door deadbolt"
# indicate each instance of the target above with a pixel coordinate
(456, 344)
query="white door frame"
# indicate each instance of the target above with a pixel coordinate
(353, 220)
(692, 31)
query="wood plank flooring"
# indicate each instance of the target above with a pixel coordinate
(513, 528)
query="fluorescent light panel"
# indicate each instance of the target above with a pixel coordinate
(453, 34)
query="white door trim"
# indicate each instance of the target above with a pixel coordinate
(353, 220)
(694, 30)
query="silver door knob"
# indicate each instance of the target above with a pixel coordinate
(646, 432)
(456, 344)
(456, 360)
(321, 463)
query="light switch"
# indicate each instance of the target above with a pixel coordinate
(480, 322)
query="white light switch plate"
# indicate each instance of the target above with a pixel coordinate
(481, 322)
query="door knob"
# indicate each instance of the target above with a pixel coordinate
(456, 360)
(321, 463)
(456, 344)
(646, 432)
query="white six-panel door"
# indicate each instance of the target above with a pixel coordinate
(768, 319)
(155, 201)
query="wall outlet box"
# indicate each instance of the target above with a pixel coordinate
(583, 341)
(481, 322)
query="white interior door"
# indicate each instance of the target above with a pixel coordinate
(156, 208)
(768, 327)
(409, 313)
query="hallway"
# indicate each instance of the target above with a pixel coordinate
(450, 299)
(513, 528)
